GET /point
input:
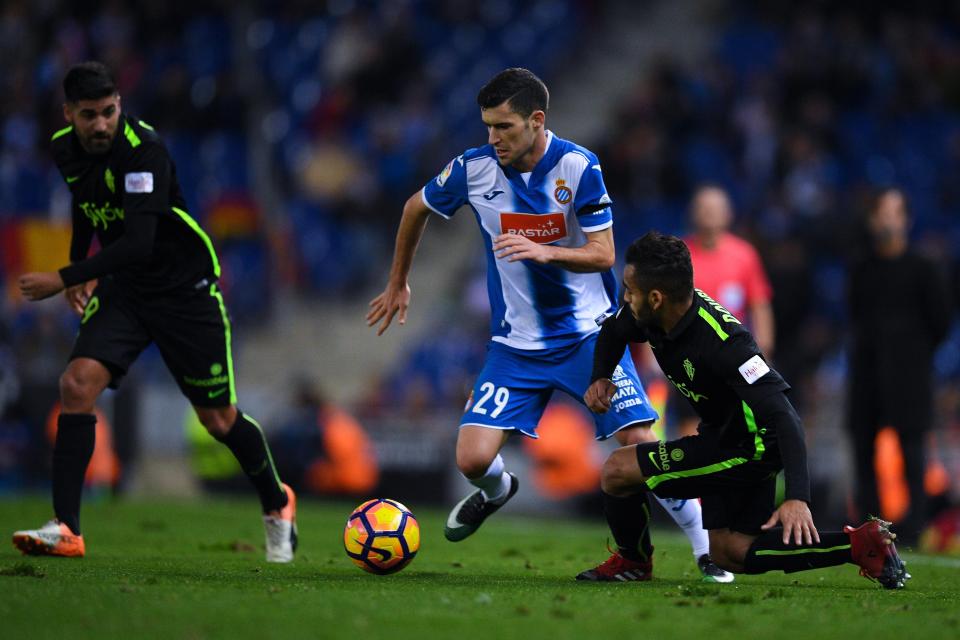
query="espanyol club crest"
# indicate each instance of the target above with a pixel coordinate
(563, 194)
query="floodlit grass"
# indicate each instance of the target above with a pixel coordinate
(196, 570)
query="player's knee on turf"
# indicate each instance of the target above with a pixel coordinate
(728, 549)
(217, 421)
(621, 474)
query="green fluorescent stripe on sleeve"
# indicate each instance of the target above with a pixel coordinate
(689, 473)
(797, 552)
(226, 330)
(190, 222)
(758, 447)
(713, 323)
(131, 135)
(61, 133)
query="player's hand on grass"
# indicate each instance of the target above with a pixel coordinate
(40, 285)
(797, 523)
(79, 295)
(516, 247)
(394, 300)
(599, 395)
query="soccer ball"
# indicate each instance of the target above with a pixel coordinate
(381, 536)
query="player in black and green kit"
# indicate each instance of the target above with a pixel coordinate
(153, 280)
(748, 432)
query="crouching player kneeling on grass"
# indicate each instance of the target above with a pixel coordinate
(748, 432)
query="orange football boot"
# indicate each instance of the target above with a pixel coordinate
(52, 539)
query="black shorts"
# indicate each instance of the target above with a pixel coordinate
(191, 328)
(737, 491)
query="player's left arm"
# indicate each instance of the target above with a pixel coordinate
(592, 206)
(776, 413)
(596, 254)
(767, 409)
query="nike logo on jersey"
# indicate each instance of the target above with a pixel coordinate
(72, 179)
(596, 166)
(492, 194)
(653, 459)
(218, 392)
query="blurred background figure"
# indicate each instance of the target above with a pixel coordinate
(729, 270)
(322, 448)
(900, 311)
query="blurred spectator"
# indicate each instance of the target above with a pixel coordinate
(322, 449)
(900, 310)
(728, 268)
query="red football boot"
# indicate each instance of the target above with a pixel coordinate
(619, 569)
(871, 546)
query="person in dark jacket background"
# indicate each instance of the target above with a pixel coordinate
(900, 310)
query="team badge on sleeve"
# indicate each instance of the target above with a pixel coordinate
(447, 170)
(138, 182)
(753, 369)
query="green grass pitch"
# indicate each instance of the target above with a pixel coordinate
(196, 570)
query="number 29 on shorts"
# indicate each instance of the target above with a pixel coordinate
(500, 396)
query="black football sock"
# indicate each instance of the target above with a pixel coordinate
(629, 520)
(247, 442)
(768, 553)
(76, 433)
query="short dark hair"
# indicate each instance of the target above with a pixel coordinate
(88, 81)
(521, 87)
(663, 263)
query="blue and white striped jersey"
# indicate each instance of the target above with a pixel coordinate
(534, 306)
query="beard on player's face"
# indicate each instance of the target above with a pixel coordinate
(95, 121)
(643, 312)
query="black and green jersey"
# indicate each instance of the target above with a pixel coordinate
(129, 197)
(714, 362)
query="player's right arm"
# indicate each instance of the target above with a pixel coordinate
(443, 195)
(615, 333)
(395, 298)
